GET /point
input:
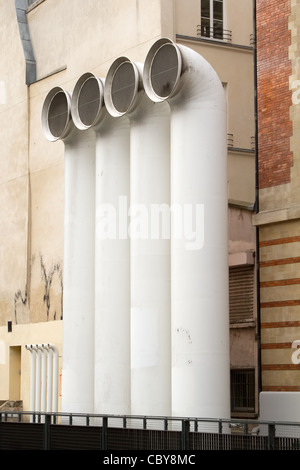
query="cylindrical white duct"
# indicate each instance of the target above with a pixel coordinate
(55, 371)
(49, 378)
(44, 377)
(112, 253)
(200, 324)
(43, 384)
(38, 378)
(149, 253)
(32, 377)
(79, 241)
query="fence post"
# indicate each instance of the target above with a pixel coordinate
(104, 433)
(47, 432)
(185, 434)
(271, 436)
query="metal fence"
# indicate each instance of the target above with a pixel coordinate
(38, 431)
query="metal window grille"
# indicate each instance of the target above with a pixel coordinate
(243, 390)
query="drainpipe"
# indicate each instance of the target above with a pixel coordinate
(257, 262)
(112, 250)
(54, 351)
(150, 258)
(32, 377)
(199, 276)
(43, 381)
(38, 378)
(79, 240)
(49, 378)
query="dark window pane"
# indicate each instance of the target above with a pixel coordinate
(205, 27)
(218, 10)
(218, 29)
(205, 8)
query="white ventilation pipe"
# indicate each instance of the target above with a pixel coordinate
(79, 238)
(200, 324)
(32, 377)
(49, 378)
(150, 258)
(44, 377)
(112, 250)
(55, 373)
(38, 378)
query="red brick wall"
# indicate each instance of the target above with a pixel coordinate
(273, 94)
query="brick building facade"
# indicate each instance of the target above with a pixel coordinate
(278, 217)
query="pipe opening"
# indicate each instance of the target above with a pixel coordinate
(56, 116)
(121, 87)
(162, 70)
(87, 101)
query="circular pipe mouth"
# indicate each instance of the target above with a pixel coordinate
(121, 88)
(162, 70)
(56, 114)
(87, 101)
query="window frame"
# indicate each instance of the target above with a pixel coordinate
(207, 30)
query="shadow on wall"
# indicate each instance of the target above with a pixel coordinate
(52, 279)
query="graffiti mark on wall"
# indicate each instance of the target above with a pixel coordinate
(20, 298)
(53, 275)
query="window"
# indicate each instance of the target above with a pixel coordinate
(212, 19)
(241, 293)
(242, 390)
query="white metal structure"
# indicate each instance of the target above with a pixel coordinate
(112, 250)
(199, 276)
(44, 377)
(79, 240)
(156, 338)
(149, 253)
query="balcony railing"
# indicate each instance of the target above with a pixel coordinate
(214, 33)
(40, 431)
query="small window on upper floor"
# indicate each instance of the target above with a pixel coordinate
(212, 20)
